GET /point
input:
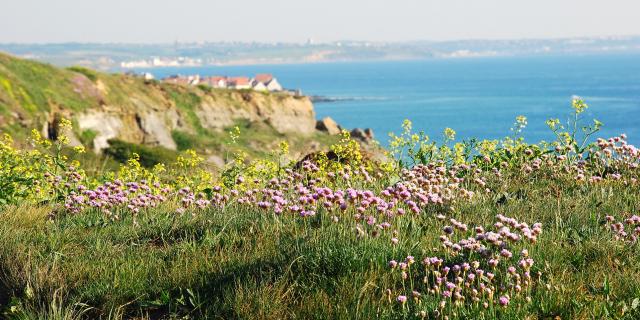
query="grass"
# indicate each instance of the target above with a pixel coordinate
(33, 87)
(239, 262)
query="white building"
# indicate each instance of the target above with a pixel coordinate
(239, 83)
(216, 82)
(274, 85)
(268, 81)
(258, 86)
(148, 76)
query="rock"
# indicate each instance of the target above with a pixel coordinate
(292, 115)
(283, 113)
(21, 119)
(369, 133)
(156, 131)
(105, 126)
(328, 125)
(365, 135)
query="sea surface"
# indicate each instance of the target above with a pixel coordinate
(477, 97)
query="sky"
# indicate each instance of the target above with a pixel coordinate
(153, 21)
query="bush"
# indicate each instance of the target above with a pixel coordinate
(87, 137)
(184, 141)
(149, 156)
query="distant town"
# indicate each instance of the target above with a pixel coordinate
(263, 82)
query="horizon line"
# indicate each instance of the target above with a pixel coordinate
(602, 37)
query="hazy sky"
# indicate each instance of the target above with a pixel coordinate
(323, 20)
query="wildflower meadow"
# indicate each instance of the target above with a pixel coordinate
(436, 229)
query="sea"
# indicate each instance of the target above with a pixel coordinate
(477, 97)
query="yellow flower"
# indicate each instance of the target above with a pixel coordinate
(553, 123)
(284, 147)
(234, 134)
(449, 134)
(578, 105)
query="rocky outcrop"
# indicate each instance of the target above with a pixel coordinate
(328, 125)
(156, 129)
(286, 114)
(365, 135)
(151, 120)
(106, 127)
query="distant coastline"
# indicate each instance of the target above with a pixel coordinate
(123, 56)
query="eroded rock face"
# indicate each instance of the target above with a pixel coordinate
(157, 130)
(51, 127)
(106, 126)
(328, 125)
(151, 118)
(293, 115)
(217, 113)
(284, 114)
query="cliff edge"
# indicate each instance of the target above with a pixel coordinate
(115, 106)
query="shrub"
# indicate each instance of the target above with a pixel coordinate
(184, 141)
(149, 156)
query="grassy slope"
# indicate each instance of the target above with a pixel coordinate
(240, 263)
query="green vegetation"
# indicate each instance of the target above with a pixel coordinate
(148, 156)
(483, 230)
(184, 141)
(90, 74)
(29, 87)
(87, 137)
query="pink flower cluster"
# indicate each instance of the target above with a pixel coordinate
(610, 159)
(477, 270)
(115, 195)
(627, 230)
(372, 210)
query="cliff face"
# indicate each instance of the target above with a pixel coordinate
(284, 113)
(173, 108)
(107, 106)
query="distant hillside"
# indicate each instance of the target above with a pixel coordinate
(112, 56)
(131, 110)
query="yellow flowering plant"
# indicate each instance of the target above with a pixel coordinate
(574, 139)
(42, 173)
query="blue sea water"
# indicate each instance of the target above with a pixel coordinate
(477, 97)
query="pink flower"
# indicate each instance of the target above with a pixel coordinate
(504, 301)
